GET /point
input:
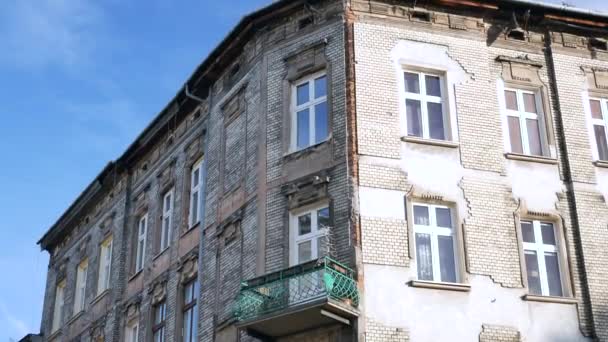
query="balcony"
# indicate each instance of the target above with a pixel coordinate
(299, 298)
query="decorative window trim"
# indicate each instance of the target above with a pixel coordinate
(562, 253)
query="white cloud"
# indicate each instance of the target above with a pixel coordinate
(14, 323)
(35, 33)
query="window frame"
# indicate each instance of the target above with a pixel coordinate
(58, 306)
(198, 188)
(190, 308)
(166, 213)
(432, 231)
(141, 242)
(310, 105)
(160, 326)
(598, 122)
(314, 234)
(105, 265)
(132, 333)
(80, 291)
(559, 249)
(424, 99)
(522, 116)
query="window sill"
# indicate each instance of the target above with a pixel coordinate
(161, 253)
(100, 296)
(190, 228)
(135, 275)
(75, 317)
(529, 158)
(440, 286)
(295, 154)
(432, 142)
(550, 299)
(601, 163)
(54, 334)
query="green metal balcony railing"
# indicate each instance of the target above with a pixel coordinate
(320, 279)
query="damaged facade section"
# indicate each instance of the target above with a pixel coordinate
(357, 171)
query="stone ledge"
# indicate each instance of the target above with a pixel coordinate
(432, 142)
(100, 297)
(601, 163)
(75, 317)
(440, 286)
(135, 275)
(530, 158)
(550, 299)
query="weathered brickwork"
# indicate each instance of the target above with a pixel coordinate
(378, 176)
(498, 333)
(385, 241)
(377, 332)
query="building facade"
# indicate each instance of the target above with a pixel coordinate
(357, 171)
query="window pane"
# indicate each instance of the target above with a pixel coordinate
(303, 128)
(187, 326)
(196, 177)
(167, 202)
(302, 94)
(446, 258)
(533, 273)
(321, 122)
(305, 251)
(421, 215)
(414, 118)
(412, 83)
(527, 232)
(433, 85)
(194, 207)
(424, 256)
(548, 233)
(320, 87)
(600, 138)
(444, 218)
(304, 224)
(530, 103)
(553, 275)
(534, 137)
(596, 109)
(436, 128)
(323, 218)
(515, 134)
(511, 99)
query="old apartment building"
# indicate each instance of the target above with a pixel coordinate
(353, 170)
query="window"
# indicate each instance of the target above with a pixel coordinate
(81, 287)
(59, 303)
(196, 194)
(524, 110)
(142, 231)
(132, 334)
(158, 328)
(165, 233)
(310, 122)
(599, 119)
(424, 105)
(105, 266)
(190, 312)
(541, 257)
(308, 231)
(435, 243)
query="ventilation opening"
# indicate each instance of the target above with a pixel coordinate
(421, 16)
(517, 34)
(598, 44)
(305, 22)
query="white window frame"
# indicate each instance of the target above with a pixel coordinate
(313, 236)
(81, 286)
(59, 306)
(165, 232)
(434, 231)
(105, 266)
(195, 189)
(132, 333)
(424, 99)
(599, 122)
(540, 249)
(310, 105)
(142, 233)
(523, 115)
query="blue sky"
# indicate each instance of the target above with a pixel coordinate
(80, 79)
